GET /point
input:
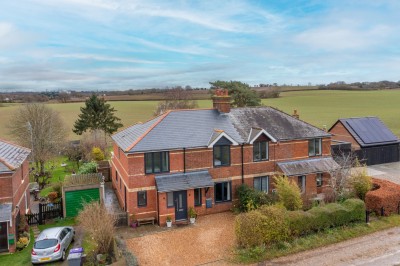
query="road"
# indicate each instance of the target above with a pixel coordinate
(380, 248)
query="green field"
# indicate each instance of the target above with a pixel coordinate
(316, 107)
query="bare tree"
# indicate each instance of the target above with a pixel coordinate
(341, 177)
(40, 128)
(176, 98)
(63, 97)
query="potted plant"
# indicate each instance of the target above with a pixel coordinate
(192, 215)
(169, 221)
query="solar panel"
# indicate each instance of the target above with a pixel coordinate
(371, 130)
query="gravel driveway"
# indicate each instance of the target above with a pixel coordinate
(210, 241)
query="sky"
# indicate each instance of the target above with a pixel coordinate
(128, 44)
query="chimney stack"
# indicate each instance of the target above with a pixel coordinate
(222, 100)
(295, 114)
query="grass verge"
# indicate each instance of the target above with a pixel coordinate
(58, 222)
(327, 237)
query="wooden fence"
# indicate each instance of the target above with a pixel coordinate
(47, 211)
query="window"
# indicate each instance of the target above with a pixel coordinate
(222, 192)
(197, 197)
(261, 183)
(142, 198)
(314, 147)
(120, 183)
(260, 151)
(156, 162)
(170, 199)
(222, 155)
(301, 182)
(22, 171)
(116, 176)
(319, 180)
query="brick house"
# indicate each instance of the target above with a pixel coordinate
(14, 193)
(197, 158)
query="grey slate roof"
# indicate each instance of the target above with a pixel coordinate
(194, 128)
(369, 131)
(11, 156)
(5, 211)
(308, 166)
(183, 181)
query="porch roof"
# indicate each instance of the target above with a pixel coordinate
(183, 181)
(308, 166)
(5, 212)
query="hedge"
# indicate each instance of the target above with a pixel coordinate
(386, 194)
(271, 224)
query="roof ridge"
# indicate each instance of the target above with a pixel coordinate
(12, 168)
(194, 109)
(299, 119)
(14, 144)
(148, 130)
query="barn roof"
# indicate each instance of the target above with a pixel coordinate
(198, 127)
(368, 131)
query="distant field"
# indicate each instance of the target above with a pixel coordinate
(316, 107)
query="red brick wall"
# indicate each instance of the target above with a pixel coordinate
(341, 133)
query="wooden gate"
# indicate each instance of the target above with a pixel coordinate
(47, 211)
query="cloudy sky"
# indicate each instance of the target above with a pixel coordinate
(124, 44)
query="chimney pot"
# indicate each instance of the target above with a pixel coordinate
(222, 100)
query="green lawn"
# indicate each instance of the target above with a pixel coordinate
(315, 106)
(22, 257)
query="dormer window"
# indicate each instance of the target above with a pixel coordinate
(260, 151)
(222, 155)
(314, 147)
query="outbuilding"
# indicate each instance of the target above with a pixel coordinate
(371, 140)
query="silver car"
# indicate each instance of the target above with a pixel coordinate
(52, 244)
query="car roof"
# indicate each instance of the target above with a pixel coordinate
(50, 233)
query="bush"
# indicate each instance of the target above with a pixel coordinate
(264, 226)
(362, 183)
(52, 196)
(300, 223)
(88, 168)
(22, 243)
(251, 199)
(289, 193)
(386, 195)
(57, 187)
(97, 154)
(356, 209)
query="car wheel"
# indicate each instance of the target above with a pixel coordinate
(63, 255)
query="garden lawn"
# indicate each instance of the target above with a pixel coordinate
(316, 240)
(22, 257)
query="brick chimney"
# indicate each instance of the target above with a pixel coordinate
(222, 101)
(295, 114)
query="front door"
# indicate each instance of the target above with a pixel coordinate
(3, 237)
(180, 203)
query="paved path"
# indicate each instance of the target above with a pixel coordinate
(380, 248)
(111, 201)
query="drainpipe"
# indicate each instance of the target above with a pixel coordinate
(242, 163)
(184, 160)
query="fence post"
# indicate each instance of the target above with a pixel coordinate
(40, 213)
(366, 216)
(382, 211)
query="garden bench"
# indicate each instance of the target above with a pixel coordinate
(146, 221)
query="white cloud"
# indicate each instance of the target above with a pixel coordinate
(105, 58)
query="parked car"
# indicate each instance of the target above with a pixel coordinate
(52, 244)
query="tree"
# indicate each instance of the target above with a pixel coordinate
(176, 98)
(97, 114)
(40, 128)
(240, 92)
(63, 97)
(289, 193)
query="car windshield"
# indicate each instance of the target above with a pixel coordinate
(45, 243)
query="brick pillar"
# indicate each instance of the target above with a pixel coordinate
(222, 101)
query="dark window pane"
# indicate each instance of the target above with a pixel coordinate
(319, 180)
(157, 162)
(148, 162)
(264, 151)
(142, 199)
(218, 192)
(318, 147)
(197, 197)
(256, 151)
(217, 155)
(264, 183)
(225, 156)
(46, 243)
(165, 162)
(257, 183)
(228, 191)
(311, 147)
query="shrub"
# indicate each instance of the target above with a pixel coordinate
(22, 243)
(264, 226)
(289, 193)
(52, 196)
(251, 199)
(362, 183)
(99, 224)
(88, 168)
(356, 209)
(300, 223)
(97, 154)
(387, 195)
(57, 187)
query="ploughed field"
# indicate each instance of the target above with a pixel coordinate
(315, 107)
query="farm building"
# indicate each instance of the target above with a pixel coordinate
(371, 140)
